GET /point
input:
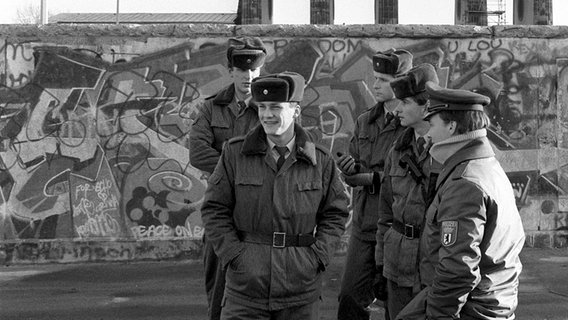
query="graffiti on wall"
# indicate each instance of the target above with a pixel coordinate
(93, 147)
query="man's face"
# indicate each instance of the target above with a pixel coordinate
(243, 78)
(383, 90)
(277, 118)
(439, 129)
(409, 112)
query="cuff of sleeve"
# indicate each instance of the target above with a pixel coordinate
(322, 260)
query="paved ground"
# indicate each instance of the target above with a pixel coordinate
(174, 290)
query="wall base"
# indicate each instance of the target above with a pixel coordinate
(73, 251)
(547, 239)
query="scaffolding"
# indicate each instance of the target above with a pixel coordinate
(486, 12)
(496, 15)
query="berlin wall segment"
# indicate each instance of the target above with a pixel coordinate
(94, 129)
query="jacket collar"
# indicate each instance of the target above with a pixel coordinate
(255, 143)
(225, 96)
(477, 148)
(376, 112)
(405, 141)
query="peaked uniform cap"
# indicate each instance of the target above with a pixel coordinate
(393, 61)
(246, 53)
(442, 99)
(414, 81)
(278, 87)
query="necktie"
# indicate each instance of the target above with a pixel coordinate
(388, 118)
(282, 152)
(242, 105)
(420, 142)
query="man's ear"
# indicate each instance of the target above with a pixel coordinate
(453, 126)
(297, 109)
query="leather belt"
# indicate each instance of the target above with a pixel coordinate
(278, 239)
(408, 230)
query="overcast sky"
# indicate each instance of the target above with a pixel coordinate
(285, 11)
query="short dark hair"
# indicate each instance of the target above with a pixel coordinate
(420, 98)
(466, 121)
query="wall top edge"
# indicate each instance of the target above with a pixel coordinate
(35, 32)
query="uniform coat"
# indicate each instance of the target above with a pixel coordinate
(247, 193)
(218, 120)
(371, 141)
(403, 199)
(472, 239)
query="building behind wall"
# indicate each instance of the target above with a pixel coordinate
(532, 12)
(386, 11)
(321, 11)
(255, 12)
(471, 12)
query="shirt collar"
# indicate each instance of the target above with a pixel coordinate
(290, 145)
(247, 100)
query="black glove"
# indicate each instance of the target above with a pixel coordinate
(347, 164)
(380, 284)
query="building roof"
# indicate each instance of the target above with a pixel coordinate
(144, 18)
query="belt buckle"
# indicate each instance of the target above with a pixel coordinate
(409, 229)
(278, 239)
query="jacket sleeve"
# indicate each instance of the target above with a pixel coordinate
(385, 210)
(354, 143)
(217, 210)
(202, 155)
(461, 219)
(332, 213)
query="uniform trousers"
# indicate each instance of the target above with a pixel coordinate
(235, 311)
(356, 292)
(214, 280)
(398, 298)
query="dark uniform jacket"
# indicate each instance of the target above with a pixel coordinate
(472, 239)
(217, 121)
(247, 194)
(403, 201)
(369, 146)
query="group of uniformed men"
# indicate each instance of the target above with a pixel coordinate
(435, 235)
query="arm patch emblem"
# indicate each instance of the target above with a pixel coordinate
(449, 233)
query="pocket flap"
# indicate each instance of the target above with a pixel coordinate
(218, 121)
(397, 171)
(309, 185)
(249, 180)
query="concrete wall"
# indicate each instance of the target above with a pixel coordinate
(95, 120)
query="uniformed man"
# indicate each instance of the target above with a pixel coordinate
(473, 233)
(274, 209)
(223, 116)
(404, 191)
(375, 131)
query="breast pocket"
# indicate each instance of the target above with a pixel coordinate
(308, 195)
(397, 174)
(365, 141)
(221, 129)
(248, 186)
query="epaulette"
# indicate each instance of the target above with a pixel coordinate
(322, 148)
(365, 113)
(458, 172)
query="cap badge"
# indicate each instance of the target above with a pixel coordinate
(249, 60)
(265, 91)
